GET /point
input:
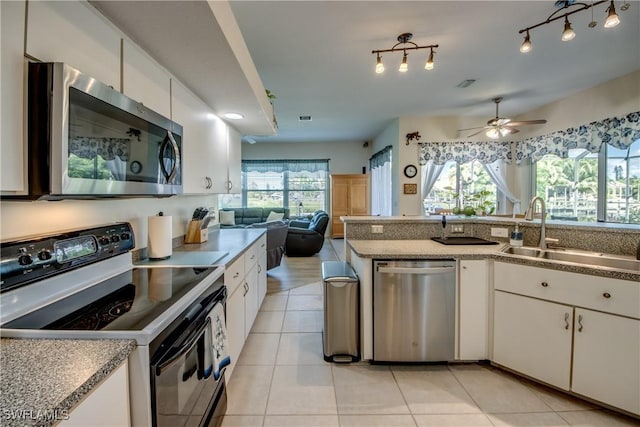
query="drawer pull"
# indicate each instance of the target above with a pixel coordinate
(566, 320)
(253, 256)
(235, 276)
(606, 295)
(544, 284)
(580, 323)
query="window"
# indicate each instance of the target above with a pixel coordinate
(574, 189)
(299, 185)
(459, 186)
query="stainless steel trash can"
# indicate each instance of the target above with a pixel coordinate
(341, 332)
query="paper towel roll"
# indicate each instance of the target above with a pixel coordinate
(159, 237)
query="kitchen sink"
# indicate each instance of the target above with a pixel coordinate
(589, 259)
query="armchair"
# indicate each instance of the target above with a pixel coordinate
(305, 238)
(276, 237)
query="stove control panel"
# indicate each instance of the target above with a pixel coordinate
(28, 260)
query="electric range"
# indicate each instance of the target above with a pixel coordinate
(82, 284)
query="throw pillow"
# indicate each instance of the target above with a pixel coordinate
(274, 216)
(227, 217)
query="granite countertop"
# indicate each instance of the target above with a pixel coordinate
(234, 241)
(43, 379)
(421, 249)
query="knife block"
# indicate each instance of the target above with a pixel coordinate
(195, 232)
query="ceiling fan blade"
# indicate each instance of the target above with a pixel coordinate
(474, 134)
(526, 122)
(513, 130)
(477, 127)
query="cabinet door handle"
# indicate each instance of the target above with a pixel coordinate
(566, 320)
(259, 269)
(580, 323)
(544, 284)
(606, 295)
(246, 289)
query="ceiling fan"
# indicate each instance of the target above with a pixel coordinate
(501, 126)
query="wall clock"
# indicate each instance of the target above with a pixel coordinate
(135, 167)
(410, 171)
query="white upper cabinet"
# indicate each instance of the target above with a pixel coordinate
(74, 33)
(144, 80)
(12, 96)
(204, 143)
(234, 162)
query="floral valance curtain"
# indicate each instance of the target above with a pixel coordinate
(620, 132)
(463, 152)
(279, 166)
(108, 148)
(380, 158)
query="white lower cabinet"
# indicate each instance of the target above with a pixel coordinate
(473, 306)
(243, 278)
(262, 276)
(606, 362)
(533, 337)
(542, 329)
(107, 405)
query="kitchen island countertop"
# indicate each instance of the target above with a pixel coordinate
(43, 379)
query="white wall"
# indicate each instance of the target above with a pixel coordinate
(20, 219)
(344, 157)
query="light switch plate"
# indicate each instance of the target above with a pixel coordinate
(376, 229)
(499, 232)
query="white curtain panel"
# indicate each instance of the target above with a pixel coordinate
(430, 174)
(381, 190)
(498, 173)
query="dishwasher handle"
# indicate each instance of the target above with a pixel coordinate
(416, 270)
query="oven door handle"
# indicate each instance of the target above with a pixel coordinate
(184, 348)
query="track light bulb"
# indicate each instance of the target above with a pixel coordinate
(404, 67)
(612, 17)
(568, 33)
(429, 64)
(379, 65)
(526, 44)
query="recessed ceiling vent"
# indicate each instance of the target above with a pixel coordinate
(466, 83)
(304, 118)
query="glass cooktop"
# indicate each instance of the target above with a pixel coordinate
(126, 302)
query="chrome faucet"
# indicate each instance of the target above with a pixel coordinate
(529, 217)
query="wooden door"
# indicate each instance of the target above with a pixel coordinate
(339, 204)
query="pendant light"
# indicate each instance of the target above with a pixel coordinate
(526, 44)
(379, 65)
(404, 67)
(429, 64)
(404, 44)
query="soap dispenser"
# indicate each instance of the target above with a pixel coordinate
(516, 237)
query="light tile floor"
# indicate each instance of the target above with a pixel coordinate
(282, 380)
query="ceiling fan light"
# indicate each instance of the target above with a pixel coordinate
(379, 65)
(504, 131)
(493, 133)
(404, 67)
(568, 33)
(612, 18)
(429, 64)
(526, 44)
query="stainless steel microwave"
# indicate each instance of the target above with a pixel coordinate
(86, 140)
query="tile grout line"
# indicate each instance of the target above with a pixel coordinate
(469, 394)
(404, 397)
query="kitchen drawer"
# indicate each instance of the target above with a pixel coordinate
(252, 254)
(234, 274)
(598, 293)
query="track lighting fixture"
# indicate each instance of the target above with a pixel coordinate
(569, 7)
(404, 44)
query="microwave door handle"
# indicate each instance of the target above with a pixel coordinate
(169, 139)
(184, 349)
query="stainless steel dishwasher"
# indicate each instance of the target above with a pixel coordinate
(414, 310)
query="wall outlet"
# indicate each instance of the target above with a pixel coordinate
(499, 232)
(376, 229)
(457, 228)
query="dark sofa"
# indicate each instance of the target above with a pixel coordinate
(247, 216)
(276, 238)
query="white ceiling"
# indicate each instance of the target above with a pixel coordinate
(316, 57)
